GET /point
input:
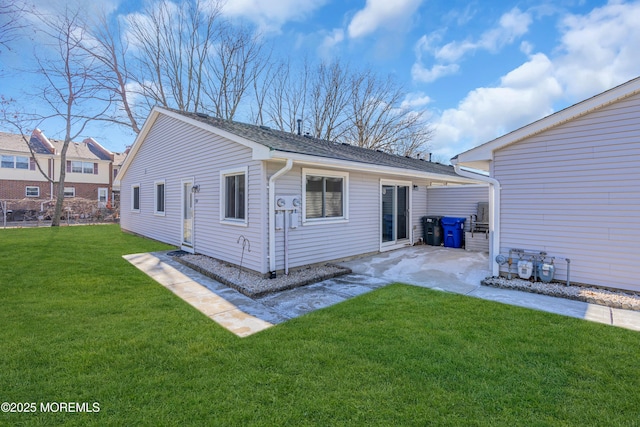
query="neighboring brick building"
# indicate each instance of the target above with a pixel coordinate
(89, 170)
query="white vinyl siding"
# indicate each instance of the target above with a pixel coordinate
(326, 241)
(574, 192)
(456, 201)
(174, 150)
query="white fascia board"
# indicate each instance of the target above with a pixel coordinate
(483, 154)
(324, 162)
(153, 115)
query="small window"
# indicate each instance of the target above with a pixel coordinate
(22, 162)
(7, 162)
(32, 192)
(87, 167)
(69, 192)
(159, 196)
(76, 167)
(325, 195)
(135, 198)
(234, 196)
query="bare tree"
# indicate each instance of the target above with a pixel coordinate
(341, 104)
(110, 52)
(10, 23)
(281, 96)
(22, 122)
(192, 60)
(329, 96)
(239, 60)
(71, 93)
(379, 121)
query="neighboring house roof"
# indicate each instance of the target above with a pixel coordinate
(480, 157)
(97, 149)
(15, 143)
(76, 150)
(86, 150)
(269, 143)
(118, 159)
(12, 142)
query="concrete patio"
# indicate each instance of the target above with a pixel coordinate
(445, 269)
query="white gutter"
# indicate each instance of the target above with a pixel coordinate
(272, 210)
(494, 212)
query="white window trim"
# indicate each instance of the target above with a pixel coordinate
(139, 198)
(345, 199)
(26, 191)
(71, 190)
(223, 196)
(155, 198)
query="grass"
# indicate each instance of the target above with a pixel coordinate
(79, 324)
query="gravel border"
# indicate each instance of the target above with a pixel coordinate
(255, 285)
(625, 301)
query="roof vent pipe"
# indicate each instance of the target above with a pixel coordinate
(299, 126)
(430, 154)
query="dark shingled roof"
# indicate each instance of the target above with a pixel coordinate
(292, 143)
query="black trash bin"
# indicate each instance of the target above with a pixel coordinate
(432, 230)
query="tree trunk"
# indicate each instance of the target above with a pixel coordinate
(55, 221)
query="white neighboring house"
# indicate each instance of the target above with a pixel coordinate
(569, 185)
(205, 184)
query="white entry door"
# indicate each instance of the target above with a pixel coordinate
(187, 215)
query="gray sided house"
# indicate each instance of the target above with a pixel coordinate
(209, 185)
(569, 185)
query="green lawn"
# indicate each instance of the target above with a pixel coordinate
(80, 324)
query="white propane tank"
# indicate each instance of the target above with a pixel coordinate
(525, 269)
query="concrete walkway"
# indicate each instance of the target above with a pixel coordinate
(446, 269)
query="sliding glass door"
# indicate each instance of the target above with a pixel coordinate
(395, 209)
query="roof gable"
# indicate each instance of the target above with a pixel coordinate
(480, 156)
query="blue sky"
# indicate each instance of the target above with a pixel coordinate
(478, 69)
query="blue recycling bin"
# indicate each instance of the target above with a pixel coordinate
(452, 229)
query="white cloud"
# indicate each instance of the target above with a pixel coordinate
(524, 95)
(427, 75)
(597, 51)
(270, 15)
(382, 14)
(415, 101)
(330, 41)
(512, 25)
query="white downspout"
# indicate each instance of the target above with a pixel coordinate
(272, 210)
(494, 212)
